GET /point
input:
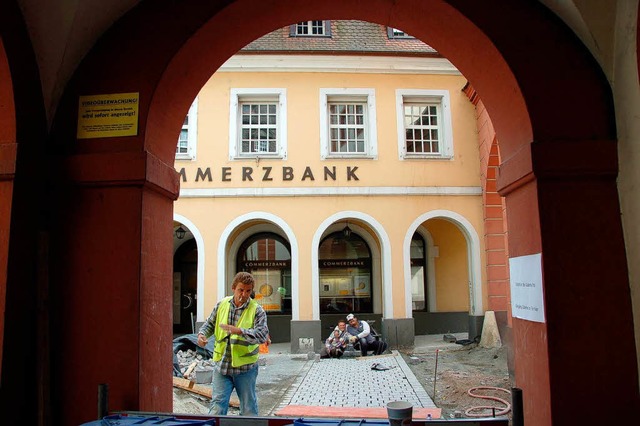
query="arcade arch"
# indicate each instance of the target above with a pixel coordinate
(474, 269)
(185, 287)
(572, 162)
(238, 231)
(428, 258)
(194, 232)
(370, 240)
(267, 256)
(377, 240)
(473, 255)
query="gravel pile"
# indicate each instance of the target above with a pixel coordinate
(201, 372)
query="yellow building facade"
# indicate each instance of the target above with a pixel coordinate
(344, 183)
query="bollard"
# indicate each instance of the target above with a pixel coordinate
(435, 377)
(400, 413)
(103, 400)
(517, 407)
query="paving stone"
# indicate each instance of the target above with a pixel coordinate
(352, 383)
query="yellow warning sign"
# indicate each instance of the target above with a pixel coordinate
(105, 116)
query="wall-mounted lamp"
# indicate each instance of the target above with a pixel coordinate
(346, 231)
(180, 232)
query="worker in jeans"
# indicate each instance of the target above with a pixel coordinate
(239, 325)
(361, 333)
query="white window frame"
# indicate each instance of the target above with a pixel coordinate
(371, 134)
(309, 26)
(395, 33)
(237, 96)
(445, 128)
(192, 133)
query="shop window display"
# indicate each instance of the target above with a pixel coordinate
(267, 257)
(345, 274)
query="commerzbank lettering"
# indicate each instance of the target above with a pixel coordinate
(268, 174)
(326, 263)
(266, 264)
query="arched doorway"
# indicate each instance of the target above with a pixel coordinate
(422, 298)
(249, 243)
(345, 274)
(449, 300)
(185, 287)
(572, 127)
(444, 249)
(351, 269)
(267, 256)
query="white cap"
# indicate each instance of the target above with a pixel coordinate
(349, 317)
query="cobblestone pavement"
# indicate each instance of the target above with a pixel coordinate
(351, 382)
(294, 379)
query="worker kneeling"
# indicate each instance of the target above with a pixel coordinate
(360, 332)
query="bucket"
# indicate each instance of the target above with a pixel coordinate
(400, 413)
(204, 375)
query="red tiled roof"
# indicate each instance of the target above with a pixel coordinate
(346, 37)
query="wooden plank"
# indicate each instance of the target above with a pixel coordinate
(192, 386)
(202, 390)
(190, 369)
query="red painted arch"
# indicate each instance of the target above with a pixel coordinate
(509, 72)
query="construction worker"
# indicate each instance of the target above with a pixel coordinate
(239, 325)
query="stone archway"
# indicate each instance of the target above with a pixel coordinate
(557, 149)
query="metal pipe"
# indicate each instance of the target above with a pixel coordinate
(435, 376)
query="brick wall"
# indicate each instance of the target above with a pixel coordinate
(495, 219)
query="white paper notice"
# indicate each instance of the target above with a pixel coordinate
(526, 287)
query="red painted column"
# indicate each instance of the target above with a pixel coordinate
(8, 153)
(7, 165)
(22, 228)
(562, 201)
(111, 285)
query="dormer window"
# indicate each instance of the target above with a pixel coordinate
(311, 29)
(396, 33)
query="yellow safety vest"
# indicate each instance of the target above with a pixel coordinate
(242, 352)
